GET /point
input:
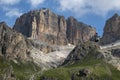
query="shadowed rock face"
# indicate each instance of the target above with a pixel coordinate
(46, 26)
(111, 30)
(78, 32)
(12, 44)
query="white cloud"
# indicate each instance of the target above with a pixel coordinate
(82, 7)
(35, 3)
(14, 12)
(9, 2)
(6, 6)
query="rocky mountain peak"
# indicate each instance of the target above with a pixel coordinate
(116, 15)
(48, 27)
(111, 30)
(3, 25)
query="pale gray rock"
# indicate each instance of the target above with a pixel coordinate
(46, 26)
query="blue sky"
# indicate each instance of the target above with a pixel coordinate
(91, 12)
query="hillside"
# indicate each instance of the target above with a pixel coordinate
(88, 66)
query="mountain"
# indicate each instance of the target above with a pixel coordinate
(45, 46)
(111, 30)
(91, 61)
(20, 57)
(110, 41)
(12, 44)
(46, 26)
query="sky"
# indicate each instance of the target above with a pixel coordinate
(91, 12)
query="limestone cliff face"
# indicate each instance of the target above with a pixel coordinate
(12, 44)
(46, 26)
(43, 25)
(111, 30)
(78, 32)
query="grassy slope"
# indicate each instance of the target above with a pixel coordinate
(22, 71)
(100, 70)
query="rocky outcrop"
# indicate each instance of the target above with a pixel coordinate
(111, 30)
(12, 44)
(81, 51)
(116, 52)
(46, 26)
(83, 73)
